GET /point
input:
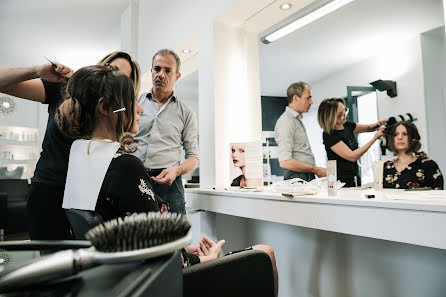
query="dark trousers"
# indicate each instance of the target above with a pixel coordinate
(174, 195)
(307, 176)
(45, 217)
(349, 180)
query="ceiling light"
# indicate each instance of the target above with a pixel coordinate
(285, 6)
(7, 105)
(305, 20)
(186, 51)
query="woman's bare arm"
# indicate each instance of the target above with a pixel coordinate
(342, 150)
(24, 82)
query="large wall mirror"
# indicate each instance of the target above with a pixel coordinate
(187, 91)
(367, 40)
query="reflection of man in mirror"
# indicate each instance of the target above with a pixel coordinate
(166, 126)
(238, 158)
(295, 154)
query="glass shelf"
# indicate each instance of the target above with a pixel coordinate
(19, 151)
(11, 161)
(18, 142)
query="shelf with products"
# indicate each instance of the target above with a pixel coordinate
(4, 141)
(19, 151)
(13, 161)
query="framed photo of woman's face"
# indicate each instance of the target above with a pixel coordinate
(246, 168)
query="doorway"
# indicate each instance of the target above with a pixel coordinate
(363, 103)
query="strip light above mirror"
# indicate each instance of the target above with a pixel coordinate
(305, 20)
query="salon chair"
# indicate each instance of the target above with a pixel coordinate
(247, 273)
(13, 204)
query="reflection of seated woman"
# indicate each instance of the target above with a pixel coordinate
(238, 158)
(411, 168)
(340, 141)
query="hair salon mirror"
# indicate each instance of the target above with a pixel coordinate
(361, 42)
(187, 90)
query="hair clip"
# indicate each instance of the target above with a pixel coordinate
(118, 110)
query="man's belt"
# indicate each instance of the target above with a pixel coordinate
(154, 172)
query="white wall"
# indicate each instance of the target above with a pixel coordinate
(317, 263)
(129, 29)
(26, 114)
(401, 63)
(237, 94)
(434, 69)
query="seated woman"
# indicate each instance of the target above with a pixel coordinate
(340, 141)
(102, 176)
(411, 168)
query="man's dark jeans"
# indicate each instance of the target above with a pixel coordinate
(174, 195)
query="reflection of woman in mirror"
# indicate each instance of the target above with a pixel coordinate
(340, 141)
(411, 168)
(238, 158)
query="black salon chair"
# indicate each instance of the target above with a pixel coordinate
(248, 273)
(13, 204)
(81, 221)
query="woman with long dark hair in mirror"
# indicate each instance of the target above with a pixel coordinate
(411, 167)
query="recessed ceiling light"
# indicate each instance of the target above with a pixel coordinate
(186, 51)
(285, 6)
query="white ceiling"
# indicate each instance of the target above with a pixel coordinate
(74, 32)
(347, 36)
(80, 32)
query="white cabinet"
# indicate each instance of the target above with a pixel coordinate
(19, 151)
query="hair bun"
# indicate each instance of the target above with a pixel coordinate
(70, 118)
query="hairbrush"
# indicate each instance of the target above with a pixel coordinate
(136, 237)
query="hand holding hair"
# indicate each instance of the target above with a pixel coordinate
(377, 125)
(55, 72)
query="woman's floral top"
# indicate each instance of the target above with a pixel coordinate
(418, 174)
(126, 189)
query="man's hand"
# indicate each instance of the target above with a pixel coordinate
(167, 176)
(320, 172)
(55, 72)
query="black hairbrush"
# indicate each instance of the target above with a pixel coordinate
(136, 237)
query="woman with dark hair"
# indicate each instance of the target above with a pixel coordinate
(411, 168)
(101, 115)
(46, 83)
(340, 141)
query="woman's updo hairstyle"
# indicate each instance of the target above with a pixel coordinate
(76, 117)
(413, 136)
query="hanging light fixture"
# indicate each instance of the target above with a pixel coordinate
(7, 105)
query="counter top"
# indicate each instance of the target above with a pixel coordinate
(387, 198)
(415, 217)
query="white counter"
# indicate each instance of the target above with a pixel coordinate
(407, 221)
